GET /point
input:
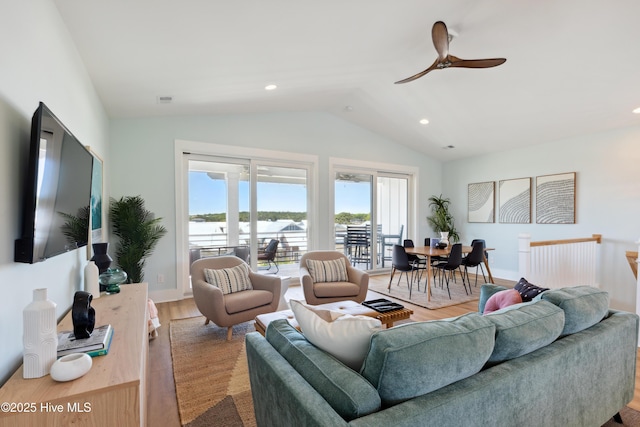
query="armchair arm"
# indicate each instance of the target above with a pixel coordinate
(306, 281)
(209, 299)
(263, 282)
(359, 277)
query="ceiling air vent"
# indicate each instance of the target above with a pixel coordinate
(165, 99)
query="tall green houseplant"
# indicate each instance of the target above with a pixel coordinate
(441, 219)
(139, 232)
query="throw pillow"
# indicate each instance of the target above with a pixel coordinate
(344, 336)
(502, 299)
(229, 280)
(333, 270)
(527, 290)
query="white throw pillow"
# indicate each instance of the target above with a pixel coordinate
(344, 336)
(332, 270)
(229, 280)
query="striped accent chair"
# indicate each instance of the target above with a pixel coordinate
(328, 276)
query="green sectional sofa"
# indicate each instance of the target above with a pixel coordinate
(563, 359)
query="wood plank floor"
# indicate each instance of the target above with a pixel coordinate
(162, 405)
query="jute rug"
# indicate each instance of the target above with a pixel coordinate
(439, 296)
(211, 374)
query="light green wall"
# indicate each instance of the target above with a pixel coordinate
(142, 153)
(607, 201)
(39, 63)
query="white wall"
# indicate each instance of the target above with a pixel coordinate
(39, 63)
(143, 164)
(607, 201)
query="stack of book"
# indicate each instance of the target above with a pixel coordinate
(96, 345)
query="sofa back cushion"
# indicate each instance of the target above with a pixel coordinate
(523, 328)
(348, 393)
(416, 358)
(583, 306)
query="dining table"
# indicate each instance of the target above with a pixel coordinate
(429, 252)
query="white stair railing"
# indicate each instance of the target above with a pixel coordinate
(559, 263)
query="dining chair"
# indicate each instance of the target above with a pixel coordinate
(474, 259)
(400, 262)
(419, 262)
(450, 266)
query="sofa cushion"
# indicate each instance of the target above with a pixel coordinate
(486, 291)
(502, 299)
(332, 270)
(527, 290)
(348, 393)
(583, 306)
(229, 280)
(416, 358)
(523, 328)
(344, 336)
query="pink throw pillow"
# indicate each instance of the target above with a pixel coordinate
(502, 299)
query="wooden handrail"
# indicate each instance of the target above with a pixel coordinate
(632, 257)
(596, 238)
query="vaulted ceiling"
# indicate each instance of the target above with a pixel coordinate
(572, 65)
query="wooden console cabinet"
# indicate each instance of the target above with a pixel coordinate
(112, 393)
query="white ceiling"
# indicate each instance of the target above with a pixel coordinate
(572, 65)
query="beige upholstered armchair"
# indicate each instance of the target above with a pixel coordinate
(229, 304)
(325, 289)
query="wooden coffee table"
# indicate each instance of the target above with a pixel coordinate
(347, 307)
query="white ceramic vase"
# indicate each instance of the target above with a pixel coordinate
(444, 238)
(91, 279)
(40, 336)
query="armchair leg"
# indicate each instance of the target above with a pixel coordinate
(206, 321)
(229, 332)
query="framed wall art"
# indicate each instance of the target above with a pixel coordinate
(556, 199)
(95, 211)
(514, 201)
(481, 202)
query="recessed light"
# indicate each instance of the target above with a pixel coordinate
(637, 110)
(448, 147)
(348, 108)
(424, 122)
(270, 87)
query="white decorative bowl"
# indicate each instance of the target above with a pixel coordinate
(71, 366)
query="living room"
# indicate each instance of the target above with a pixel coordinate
(43, 63)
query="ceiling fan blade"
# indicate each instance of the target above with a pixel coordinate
(440, 36)
(475, 63)
(433, 66)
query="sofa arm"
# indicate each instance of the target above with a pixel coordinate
(279, 391)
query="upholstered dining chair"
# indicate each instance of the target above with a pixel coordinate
(328, 276)
(227, 292)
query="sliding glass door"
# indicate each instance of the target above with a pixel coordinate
(369, 246)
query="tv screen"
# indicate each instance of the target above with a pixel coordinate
(57, 191)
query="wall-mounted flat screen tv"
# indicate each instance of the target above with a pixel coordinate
(57, 191)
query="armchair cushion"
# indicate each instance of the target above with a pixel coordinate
(333, 270)
(229, 280)
(344, 336)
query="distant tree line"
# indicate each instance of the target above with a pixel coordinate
(341, 218)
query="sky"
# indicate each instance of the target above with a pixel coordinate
(209, 196)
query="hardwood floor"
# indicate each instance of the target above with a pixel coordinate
(162, 405)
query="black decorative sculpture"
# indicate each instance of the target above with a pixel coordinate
(83, 315)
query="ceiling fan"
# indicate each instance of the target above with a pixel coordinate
(441, 38)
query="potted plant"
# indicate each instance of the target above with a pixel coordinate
(139, 232)
(441, 220)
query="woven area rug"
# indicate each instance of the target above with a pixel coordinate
(211, 374)
(439, 296)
